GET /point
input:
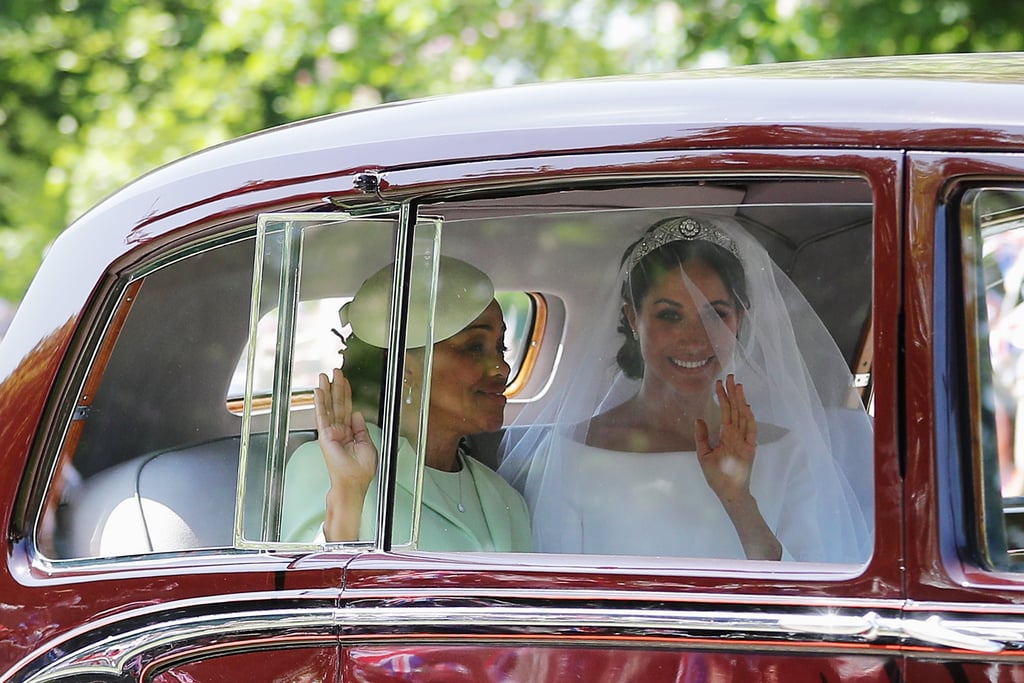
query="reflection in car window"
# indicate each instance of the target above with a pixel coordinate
(994, 290)
(314, 350)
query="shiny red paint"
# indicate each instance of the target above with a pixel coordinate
(614, 661)
(260, 663)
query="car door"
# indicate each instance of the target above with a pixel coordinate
(551, 228)
(963, 454)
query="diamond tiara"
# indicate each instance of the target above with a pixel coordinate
(686, 229)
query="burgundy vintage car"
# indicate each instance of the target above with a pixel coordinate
(157, 392)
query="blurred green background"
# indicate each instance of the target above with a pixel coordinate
(94, 93)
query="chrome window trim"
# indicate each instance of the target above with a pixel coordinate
(535, 174)
(244, 231)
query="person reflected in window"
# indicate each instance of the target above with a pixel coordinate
(466, 505)
(714, 434)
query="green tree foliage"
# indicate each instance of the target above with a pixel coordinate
(95, 92)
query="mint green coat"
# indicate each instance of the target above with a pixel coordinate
(442, 526)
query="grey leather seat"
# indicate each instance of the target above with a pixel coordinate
(171, 500)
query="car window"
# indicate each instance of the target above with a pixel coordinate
(993, 244)
(311, 265)
(492, 283)
(153, 403)
(586, 496)
(317, 322)
(314, 351)
(149, 459)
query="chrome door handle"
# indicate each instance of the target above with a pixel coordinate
(933, 630)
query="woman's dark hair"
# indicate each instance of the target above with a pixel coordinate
(653, 267)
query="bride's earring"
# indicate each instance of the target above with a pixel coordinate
(408, 393)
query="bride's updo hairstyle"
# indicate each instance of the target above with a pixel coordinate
(668, 245)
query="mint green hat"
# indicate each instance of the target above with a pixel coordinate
(463, 292)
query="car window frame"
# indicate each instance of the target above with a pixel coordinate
(987, 542)
(95, 342)
(943, 469)
(424, 185)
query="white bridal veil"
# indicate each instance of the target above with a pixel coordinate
(813, 467)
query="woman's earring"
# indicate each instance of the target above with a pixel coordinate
(408, 393)
(636, 337)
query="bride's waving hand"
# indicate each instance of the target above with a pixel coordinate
(727, 463)
(727, 466)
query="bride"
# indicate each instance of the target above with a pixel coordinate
(719, 426)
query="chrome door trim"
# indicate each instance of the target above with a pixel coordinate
(127, 653)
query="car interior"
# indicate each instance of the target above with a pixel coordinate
(154, 459)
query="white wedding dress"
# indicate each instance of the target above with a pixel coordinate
(659, 504)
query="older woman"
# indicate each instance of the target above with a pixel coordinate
(465, 505)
